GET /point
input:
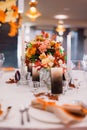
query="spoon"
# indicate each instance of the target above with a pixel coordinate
(7, 112)
(22, 110)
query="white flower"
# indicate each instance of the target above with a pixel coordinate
(63, 65)
(51, 58)
(60, 62)
(61, 48)
(7, 4)
(48, 61)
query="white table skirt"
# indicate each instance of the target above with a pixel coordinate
(15, 96)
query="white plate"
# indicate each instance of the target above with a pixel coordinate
(43, 116)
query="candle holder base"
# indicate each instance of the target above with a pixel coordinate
(23, 82)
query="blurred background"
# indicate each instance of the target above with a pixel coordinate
(60, 17)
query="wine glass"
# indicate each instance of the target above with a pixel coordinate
(85, 66)
(2, 59)
(85, 61)
(78, 72)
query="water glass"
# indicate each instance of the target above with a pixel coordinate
(85, 66)
(85, 61)
(2, 59)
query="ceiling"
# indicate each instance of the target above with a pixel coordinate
(75, 9)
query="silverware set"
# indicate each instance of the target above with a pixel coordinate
(24, 110)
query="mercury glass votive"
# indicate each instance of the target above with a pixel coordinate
(56, 80)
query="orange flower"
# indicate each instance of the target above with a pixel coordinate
(57, 53)
(57, 45)
(13, 29)
(15, 8)
(42, 56)
(19, 21)
(2, 16)
(52, 43)
(30, 52)
(45, 34)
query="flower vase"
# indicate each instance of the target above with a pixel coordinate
(45, 79)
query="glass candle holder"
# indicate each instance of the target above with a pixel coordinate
(56, 80)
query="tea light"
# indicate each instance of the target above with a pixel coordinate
(56, 80)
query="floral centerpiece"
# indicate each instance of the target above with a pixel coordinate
(45, 52)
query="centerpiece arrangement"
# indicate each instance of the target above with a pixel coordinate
(45, 52)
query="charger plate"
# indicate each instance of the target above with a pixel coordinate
(43, 116)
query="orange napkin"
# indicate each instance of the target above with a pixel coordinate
(67, 113)
(1, 111)
(8, 69)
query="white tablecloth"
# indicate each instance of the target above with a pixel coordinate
(17, 95)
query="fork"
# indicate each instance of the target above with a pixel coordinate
(27, 114)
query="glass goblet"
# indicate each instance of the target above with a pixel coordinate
(2, 59)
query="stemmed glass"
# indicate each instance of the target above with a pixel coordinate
(85, 66)
(67, 80)
(85, 61)
(73, 82)
(78, 74)
(23, 80)
(2, 59)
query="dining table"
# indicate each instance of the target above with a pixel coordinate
(17, 96)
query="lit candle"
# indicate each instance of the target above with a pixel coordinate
(56, 80)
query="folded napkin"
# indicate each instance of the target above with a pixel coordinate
(67, 113)
(8, 69)
(1, 111)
